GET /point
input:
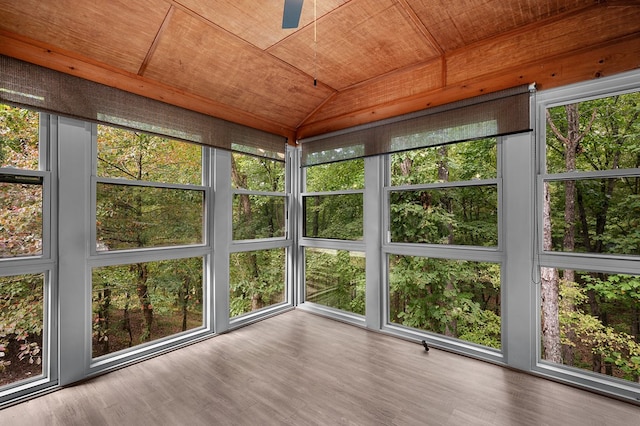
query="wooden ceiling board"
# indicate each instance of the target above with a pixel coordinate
(589, 27)
(455, 24)
(259, 23)
(384, 90)
(118, 32)
(373, 59)
(361, 40)
(591, 63)
(39, 53)
(203, 59)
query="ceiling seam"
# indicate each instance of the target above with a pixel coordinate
(422, 29)
(156, 40)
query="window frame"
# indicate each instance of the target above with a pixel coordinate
(333, 244)
(593, 262)
(98, 258)
(44, 263)
(492, 254)
(285, 242)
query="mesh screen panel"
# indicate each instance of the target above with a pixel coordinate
(496, 114)
(32, 86)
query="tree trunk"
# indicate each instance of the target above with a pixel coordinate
(104, 306)
(549, 292)
(126, 322)
(144, 298)
(184, 300)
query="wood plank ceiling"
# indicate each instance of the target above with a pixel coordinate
(372, 58)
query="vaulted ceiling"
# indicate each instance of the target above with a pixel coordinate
(372, 58)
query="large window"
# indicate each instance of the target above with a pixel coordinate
(590, 236)
(257, 262)
(444, 202)
(25, 263)
(150, 200)
(336, 278)
(333, 230)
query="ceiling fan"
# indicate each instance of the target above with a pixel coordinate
(291, 13)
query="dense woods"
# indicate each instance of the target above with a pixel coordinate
(150, 195)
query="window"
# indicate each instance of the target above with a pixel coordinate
(590, 236)
(257, 280)
(150, 200)
(26, 267)
(21, 185)
(333, 233)
(455, 298)
(148, 191)
(258, 197)
(445, 195)
(336, 278)
(257, 262)
(444, 202)
(332, 205)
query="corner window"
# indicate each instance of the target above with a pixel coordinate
(333, 234)
(257, 262)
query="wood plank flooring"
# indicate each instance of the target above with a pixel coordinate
(301, 369)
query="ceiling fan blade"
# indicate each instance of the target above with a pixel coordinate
(291, 13)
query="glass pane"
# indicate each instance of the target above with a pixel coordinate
(20, 216)
(460, 216)
(593, 216)
(455, 298)
(137, 217)
(257, 174)
(139, 156)
(333, 216)
(336, 176)
(335, 278)
(256, 280)
(21, 327)
(138, 303)
(600, 134)
(19, 138)
(590, 321)
(448, 163)
(258, 216)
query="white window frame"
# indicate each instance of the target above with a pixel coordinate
(606, 263)
(45, 264)
(337, 244)
(493, 254)
(285, 242)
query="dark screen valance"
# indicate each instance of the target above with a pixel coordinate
(32, 86)
(495, 114)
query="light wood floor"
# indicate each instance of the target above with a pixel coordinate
(302, 369)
